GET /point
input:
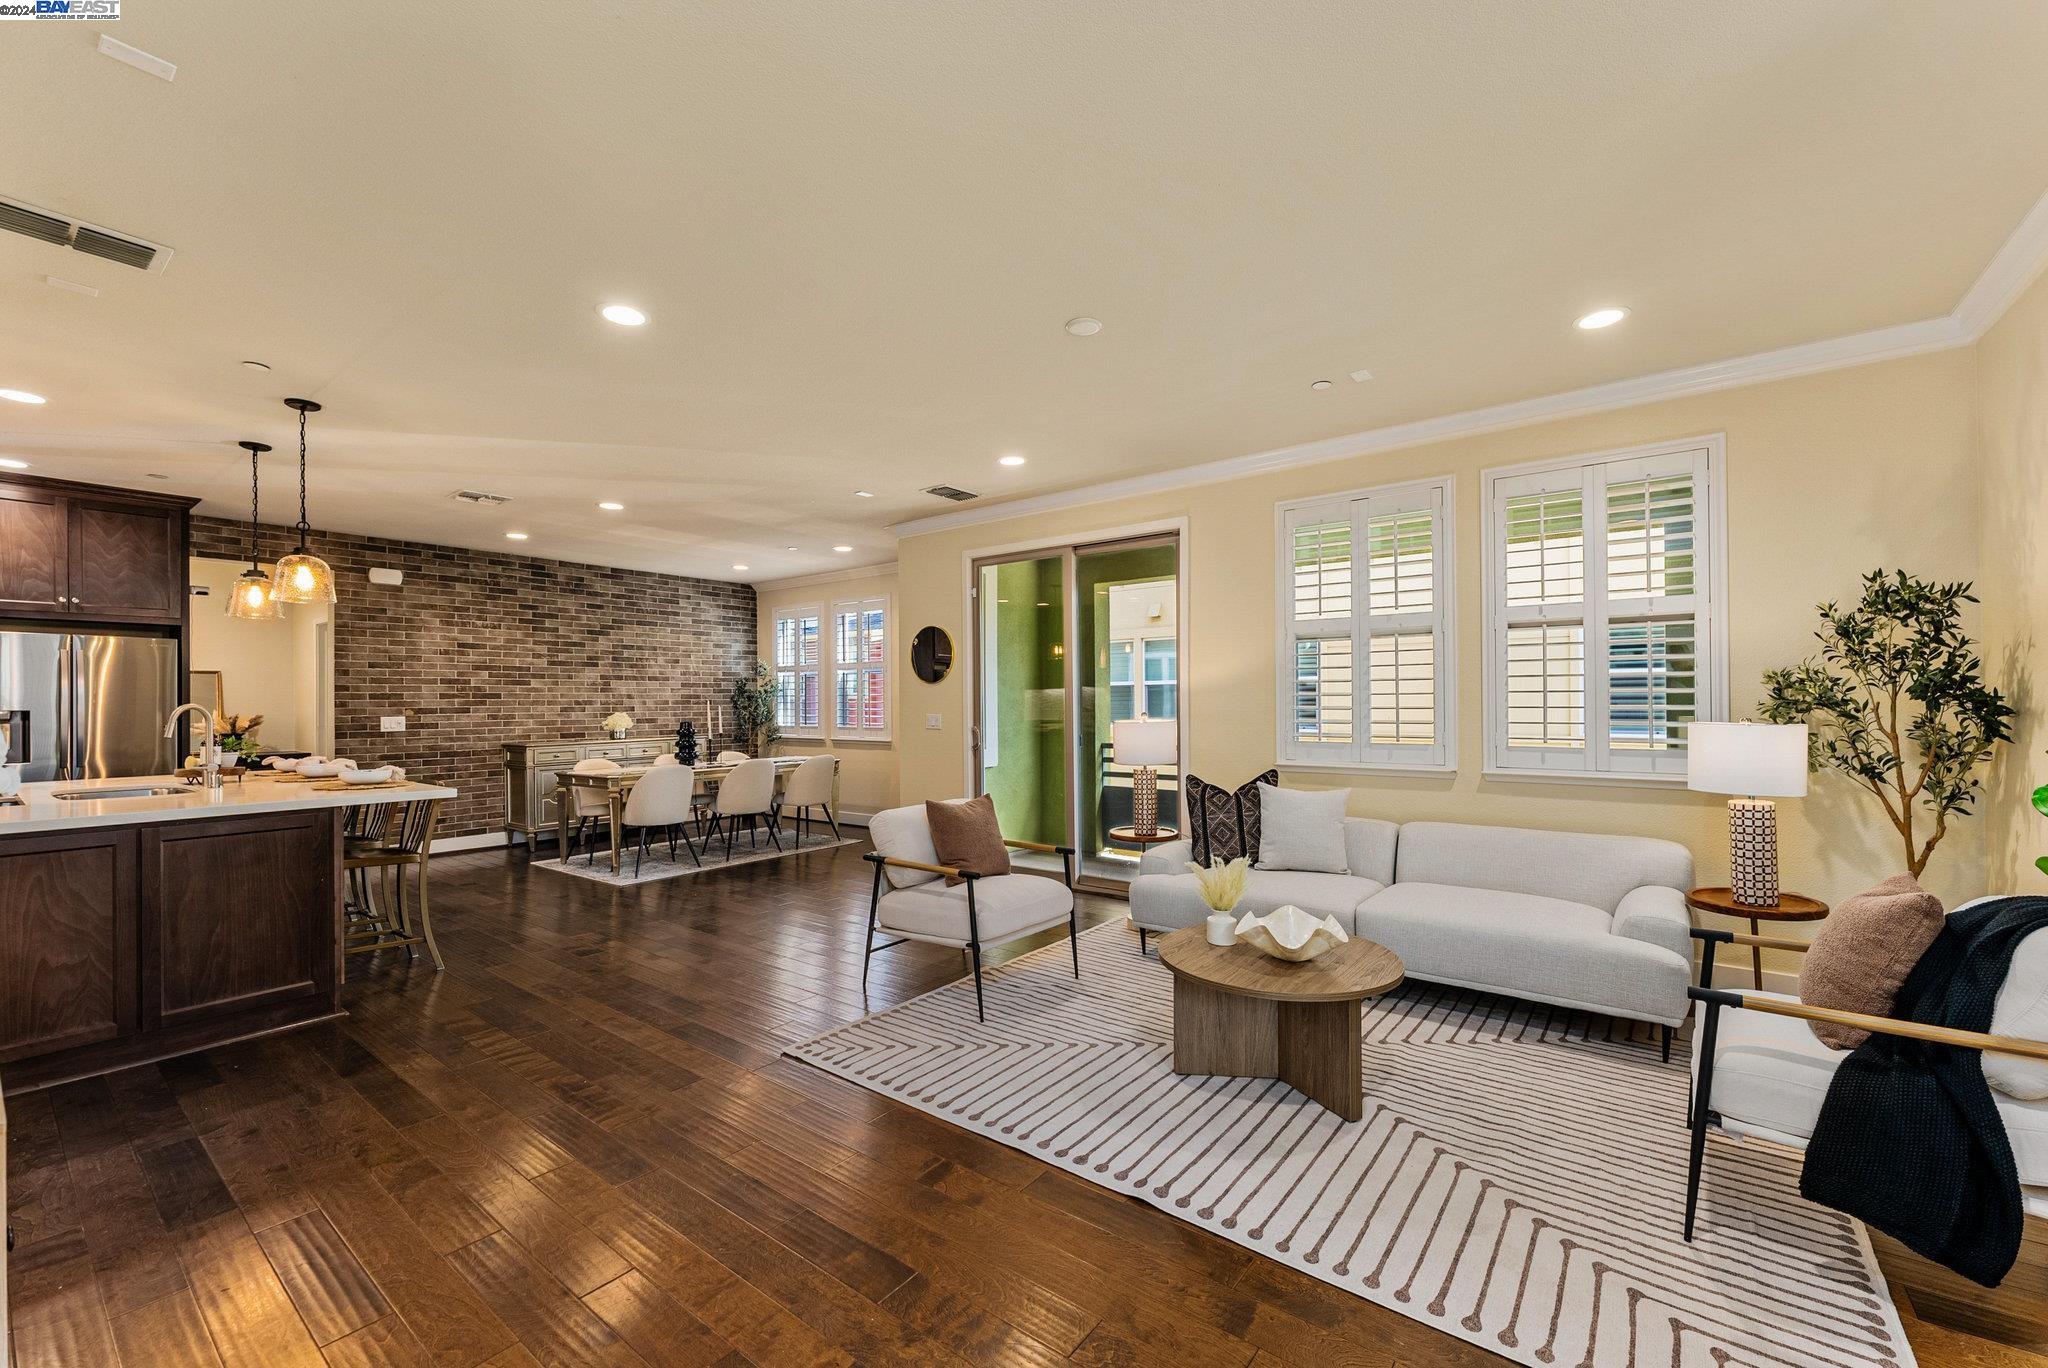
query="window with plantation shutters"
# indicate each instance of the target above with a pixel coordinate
(1604, 611)
(1365, 678)
(860, 669)
(797, 649)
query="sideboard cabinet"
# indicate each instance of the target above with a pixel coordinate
(531, 766)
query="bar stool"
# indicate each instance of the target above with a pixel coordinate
(400, 922)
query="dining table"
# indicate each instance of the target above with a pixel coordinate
(618, 785)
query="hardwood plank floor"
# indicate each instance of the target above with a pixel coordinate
(581, 1144)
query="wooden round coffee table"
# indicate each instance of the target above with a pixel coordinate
(1244, 1014)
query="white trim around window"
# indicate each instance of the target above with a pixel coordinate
(863, 694)
(798, 644)
(1601, 651)
(1366, 650)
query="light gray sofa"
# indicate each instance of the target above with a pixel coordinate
(1596, 922)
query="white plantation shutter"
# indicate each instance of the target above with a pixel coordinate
(797, 649)
(860, 668)
(1364, 651)
(1602, 619)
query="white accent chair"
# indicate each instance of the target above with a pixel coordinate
(1579, 920)
(1759, 1072)
(809, 786)
(744, 795)
(590, 805)
(662, 799)
(975, 913)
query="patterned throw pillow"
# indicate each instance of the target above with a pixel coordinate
(1224, 823)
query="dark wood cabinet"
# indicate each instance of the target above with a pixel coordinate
(88, 553)
(67, 941)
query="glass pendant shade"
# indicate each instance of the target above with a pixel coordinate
(303, 577)
(251, 598)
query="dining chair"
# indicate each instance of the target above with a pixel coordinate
(810, 786)
(732, 757)
(662, 760)
(589, 805)
(748, 792)
(662, 799)
(400, 921)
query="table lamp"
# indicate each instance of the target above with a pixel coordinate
(1757, 762)
(1144, 744)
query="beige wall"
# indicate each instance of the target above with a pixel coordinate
(258, 661)
(1828, 475)
(867, 769)
(2012, 416)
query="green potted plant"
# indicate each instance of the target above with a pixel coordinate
(235, 734)
(1896, 700)
(753, 708)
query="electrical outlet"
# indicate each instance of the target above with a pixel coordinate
(391, 723)
(934, 721)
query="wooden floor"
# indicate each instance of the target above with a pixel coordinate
(580, 1145)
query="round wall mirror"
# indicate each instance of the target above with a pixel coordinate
(931, 654)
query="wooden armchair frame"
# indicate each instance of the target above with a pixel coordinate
(1714, 999)
(882, 862)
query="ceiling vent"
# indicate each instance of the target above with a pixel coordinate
(948, 492)
(481, 499)
(85, 237)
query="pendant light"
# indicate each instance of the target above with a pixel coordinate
(252, 597)
(303, 577)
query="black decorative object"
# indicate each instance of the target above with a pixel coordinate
(686, 743)
(931, 654)
(1224, 823)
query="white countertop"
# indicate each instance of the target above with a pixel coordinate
(41, 810)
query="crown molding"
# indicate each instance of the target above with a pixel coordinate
(2010, 271)
(853, 572)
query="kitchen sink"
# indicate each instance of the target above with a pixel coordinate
(145, 791)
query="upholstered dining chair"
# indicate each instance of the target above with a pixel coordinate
(662, 799)
(1759, 1072)
(809, 786)
(589, 805)
(732, 757)
(976, 913)
(747, 794)
(664, 759)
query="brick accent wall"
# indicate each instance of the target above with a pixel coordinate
(478, 648)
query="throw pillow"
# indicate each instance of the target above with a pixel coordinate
(1862, 954)
(2022, 1012)
(1223, 824)
(1302, 829)
(967, 836)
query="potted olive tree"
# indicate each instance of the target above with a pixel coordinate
(1896, 700)
(753, 708)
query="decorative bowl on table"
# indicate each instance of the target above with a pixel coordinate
(326, 769)
(1289, 933)
(382, 774)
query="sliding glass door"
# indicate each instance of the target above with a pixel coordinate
(1069, 642)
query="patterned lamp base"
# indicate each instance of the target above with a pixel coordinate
(1753, 851)
(1145, 801)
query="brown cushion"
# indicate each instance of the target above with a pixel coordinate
(1863, 952)
(967, 836)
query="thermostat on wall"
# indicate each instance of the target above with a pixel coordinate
(384, 574)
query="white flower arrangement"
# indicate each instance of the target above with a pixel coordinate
(618, 721)
(1222, 884)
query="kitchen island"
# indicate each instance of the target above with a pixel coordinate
(153, 918)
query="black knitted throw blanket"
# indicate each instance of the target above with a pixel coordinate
(1909, 1139)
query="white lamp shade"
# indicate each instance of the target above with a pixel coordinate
(1146, 742)
(1755, 758)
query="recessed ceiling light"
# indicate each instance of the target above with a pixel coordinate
(862, 494)
(789, 548)
(515, 536)
(739, 567)
(625, 315)
(256, 365)
(1010, 460)
(842, 549)
(9, 463)
(1602, 318)
(1318, 384)
(1084, 327)
(21, 396)
(610, 507)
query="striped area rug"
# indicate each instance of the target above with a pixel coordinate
(1517, 1179)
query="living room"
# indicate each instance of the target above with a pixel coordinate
(1025, 685)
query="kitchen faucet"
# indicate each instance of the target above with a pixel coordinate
(209, 751)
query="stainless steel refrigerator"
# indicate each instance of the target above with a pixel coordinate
(87, 706)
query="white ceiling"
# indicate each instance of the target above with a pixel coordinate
(858, 228)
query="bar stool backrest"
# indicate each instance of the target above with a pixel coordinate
(416, 830)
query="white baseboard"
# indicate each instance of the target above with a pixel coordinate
(482, 840)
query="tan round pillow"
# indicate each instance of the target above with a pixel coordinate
(1863, 952)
